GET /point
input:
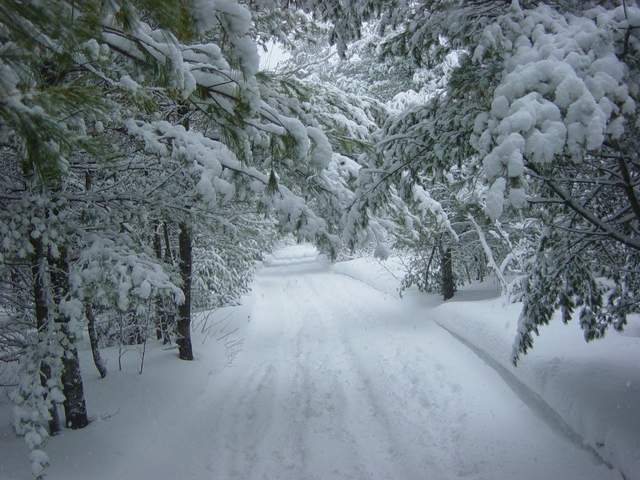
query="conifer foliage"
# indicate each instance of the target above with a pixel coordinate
(526, 146)
(140, 152)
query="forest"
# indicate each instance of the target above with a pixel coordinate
(164, 160)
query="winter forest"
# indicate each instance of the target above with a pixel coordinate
(319, 239)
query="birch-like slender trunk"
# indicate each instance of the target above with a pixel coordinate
(168, 310)
(184, 311)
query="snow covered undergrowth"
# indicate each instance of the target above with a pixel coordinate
(591, 389)
(145, 425)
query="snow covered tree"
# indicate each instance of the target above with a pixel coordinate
(117, 118)
(558, 135)
(540, 109)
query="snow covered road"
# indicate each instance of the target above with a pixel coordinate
(336, 383)
(335, 380)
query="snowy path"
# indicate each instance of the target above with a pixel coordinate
(335, 381)
(335, 384)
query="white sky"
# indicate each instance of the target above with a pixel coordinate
(275, 54)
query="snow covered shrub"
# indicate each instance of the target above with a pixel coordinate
(39, 393)
(225, 263)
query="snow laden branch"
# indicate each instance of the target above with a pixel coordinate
(487, 251)
(201, 65)
(112, 273)
(209, 162)
(564, 91)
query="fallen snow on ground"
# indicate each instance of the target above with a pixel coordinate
(594, 388)
(591, 392)
(383, 275)
(323, 373)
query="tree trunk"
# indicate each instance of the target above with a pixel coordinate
(157, 248)
(168, 310)
(448, 281)
(428, 269)
(93, 340)
(184, 310)
(42, 313)
(88, 309)
(75, 408)
(162, 314)
(185, 350)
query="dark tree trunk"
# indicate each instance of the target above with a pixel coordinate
(93, 340)
(41, 310)
(183, 326)
(75, 408)
(168, 311)
(427, 270)
(157, 248)
(168, 255)
(448, 281)
(184, 310)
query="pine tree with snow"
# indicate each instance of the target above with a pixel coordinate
(541, 109)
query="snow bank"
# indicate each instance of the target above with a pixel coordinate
(146, 417)
(594, 388)
(383, 275)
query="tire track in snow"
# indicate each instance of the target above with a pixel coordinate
(449, 407)
(538, 406)
(362, 382)
(243, 434)
(300, 393)
(325, 393)
(345, 405)
(250, 409)
(289, 446)
(410, 456)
